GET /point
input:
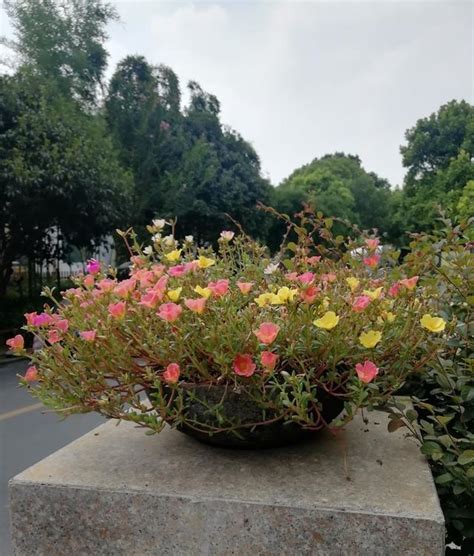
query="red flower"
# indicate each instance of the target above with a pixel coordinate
(360, 303)
(372, 261)
(267, 332)
(172, 373)
(309, 294)
(244, 365)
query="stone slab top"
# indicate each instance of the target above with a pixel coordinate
(362, 469)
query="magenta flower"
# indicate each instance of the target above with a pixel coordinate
(93, 266)
(306, 278)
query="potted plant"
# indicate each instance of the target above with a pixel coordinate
(231, 345)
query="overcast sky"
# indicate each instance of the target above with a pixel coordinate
(300, 79)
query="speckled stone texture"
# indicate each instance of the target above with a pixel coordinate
(118, 492)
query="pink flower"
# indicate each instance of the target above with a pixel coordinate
(367, 372)
(125, 287)
(106, 284)
(88, 281)
(158, 269)
(269, 360)
(372, 244)
(360, 303)
(244, 365)
(172, 373)
(137, 260)
(219, 288)
(330, 277)
(309, 294)
(169, 311)
(410, 283)
(196, 305)
(30, 318)
(88, 335)
(151, 299)
(372, 261)
(93, 266)
(42, 319)
(31, 374)
(245, 287)
(118, 310)
(291, 276)
(267, 332)
(62, 324)
(177, 271)
(313, 260)
(192, 266)
(394, 290)
(227, 235)
(306, 278)
(17, 343)
(54, 336)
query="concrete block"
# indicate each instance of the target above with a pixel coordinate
(118, 492)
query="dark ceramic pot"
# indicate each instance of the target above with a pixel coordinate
(249, 436)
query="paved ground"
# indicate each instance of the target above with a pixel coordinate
(28, 435)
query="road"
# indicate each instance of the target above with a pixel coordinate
(27, 435)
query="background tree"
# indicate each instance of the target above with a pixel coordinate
(62, 41)
(59, 172)
(438, 155)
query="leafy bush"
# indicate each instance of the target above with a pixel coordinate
(443, 396)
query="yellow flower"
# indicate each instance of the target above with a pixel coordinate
(389, 316)
(325, 302)
(203, 292)
(328, 321)
(373, 294)
(265, 299)
(353, 283)
(285, 294)
(204, 262)
(433, 324)
(173, 295)
(173, 256)
(370, 339)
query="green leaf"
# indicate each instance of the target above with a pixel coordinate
(429, 448)
(444, 479)
(466, 457)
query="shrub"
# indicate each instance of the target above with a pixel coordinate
(443, 395)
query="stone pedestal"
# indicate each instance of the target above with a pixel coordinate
(118, 492)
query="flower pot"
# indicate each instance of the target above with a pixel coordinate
(250, 432)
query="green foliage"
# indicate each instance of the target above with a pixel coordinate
(443, 395)
(59, 172)
(438, 156)
(337, 185)
(62, 41)
(185, 163)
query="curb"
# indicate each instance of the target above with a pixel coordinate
(5, 360)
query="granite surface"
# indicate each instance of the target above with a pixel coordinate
(118, 492)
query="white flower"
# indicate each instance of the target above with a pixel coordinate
(227, 235)
(168, 241)
(188, 239)
(156, 238)
(271, 268)
(148, 250)
(159, 223)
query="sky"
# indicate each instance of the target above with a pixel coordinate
(301, 79)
